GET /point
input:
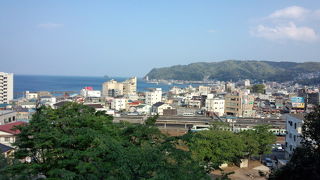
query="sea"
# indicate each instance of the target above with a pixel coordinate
(35, 83)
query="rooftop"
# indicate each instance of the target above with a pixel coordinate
(8, 128)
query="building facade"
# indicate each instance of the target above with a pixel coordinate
(215, 105)
(294, 124)
(6, 87)
(154, 96)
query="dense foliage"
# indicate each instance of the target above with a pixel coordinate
(235, 70)
(75, 142)
(305, 161)
(258, 88)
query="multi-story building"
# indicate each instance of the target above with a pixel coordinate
(112, 88)
(6, 87)
(130, 86)
(7, 116)
(119, 104)
(294, 124)
(216, 105)
(88, 92)
(154, 96)
(239, 104)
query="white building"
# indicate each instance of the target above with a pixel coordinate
(31, 95)
(48, 100)
(118, 104)
(88, 92)
(158, 108)
(6, 87)
(154, 96)
(7, 116)
(216, 105)
(294, 124)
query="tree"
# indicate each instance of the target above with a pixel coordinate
(251, 145)
(75, 142)
(215, 147)
(258, 88)
(264, 139)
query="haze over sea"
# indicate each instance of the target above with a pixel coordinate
(31, 83)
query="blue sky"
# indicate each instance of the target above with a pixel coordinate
(129, 38)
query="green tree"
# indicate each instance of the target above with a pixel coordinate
(264, 139)
(215, 147)
(251, 145)
(258, 88)
(75, 142)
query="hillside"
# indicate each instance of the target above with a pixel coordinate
(235, 70)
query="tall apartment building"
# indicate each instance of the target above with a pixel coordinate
(6, 87)
(239, 105)
(113, 88)
(130, 86)
(154, 96)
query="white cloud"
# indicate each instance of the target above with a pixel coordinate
(50, 25)
(211, 31)
(286, 32)
(292, 12)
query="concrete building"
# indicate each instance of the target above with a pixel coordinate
(31, 95)
(130, 86)
(215, 105)
(239, 105)
(294, 124)
(159, 107)
(6, 87)
(7, 116)
(119, 104)
(154, 96)
(112, 88)
(88, 92)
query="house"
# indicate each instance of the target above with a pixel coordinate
(143, 109)
(5, 150)
(7, 132)
(158, 108)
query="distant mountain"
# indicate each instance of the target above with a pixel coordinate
(235, 70)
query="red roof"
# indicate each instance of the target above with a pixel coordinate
(8, 127)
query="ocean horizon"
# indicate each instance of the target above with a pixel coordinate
(35, 83)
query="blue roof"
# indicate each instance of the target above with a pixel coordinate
(4, 148)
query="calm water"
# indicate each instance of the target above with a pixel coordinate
(73, 83)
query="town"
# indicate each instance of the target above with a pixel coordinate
(240, 104)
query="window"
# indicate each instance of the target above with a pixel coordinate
(7, 139)
(295, 125)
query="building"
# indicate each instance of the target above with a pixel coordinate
(294, 124)
(6, 87)
(159, 107)
(7, 134)
(239, 105)
(215, 105)
(7, 116)
(130, 86)
(153, 96)
(31, 95)
(119, 104)
(112, 88)
(88, 92)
